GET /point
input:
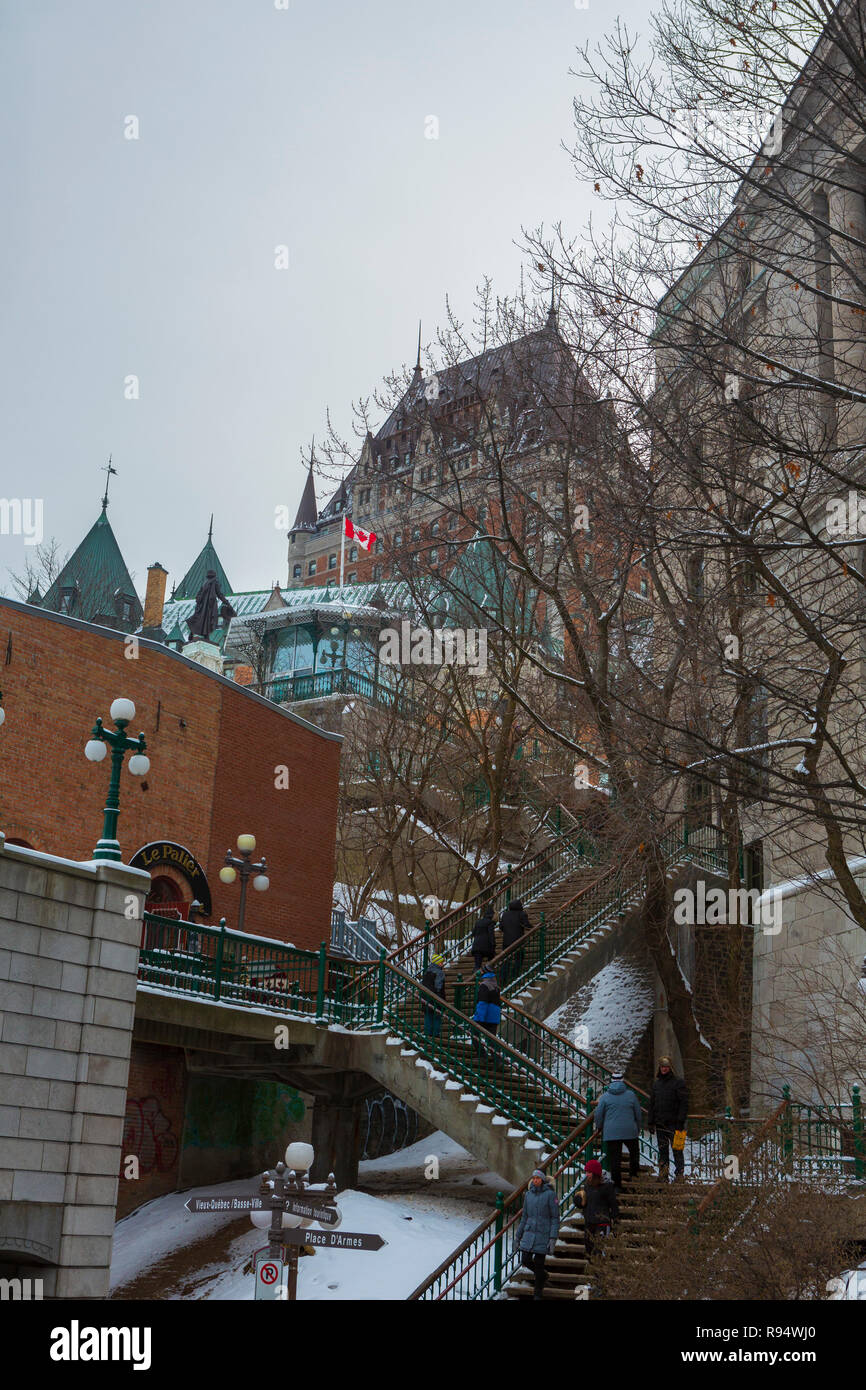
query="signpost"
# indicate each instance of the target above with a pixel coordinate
(284, 1192)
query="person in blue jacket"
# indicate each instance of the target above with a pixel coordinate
(488, 1008)
(538, 1227)
(618, 1117)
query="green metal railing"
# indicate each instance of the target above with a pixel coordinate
(230, 967)
(508, 1079)
(341, 681)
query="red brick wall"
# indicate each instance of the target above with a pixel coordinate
(153, 1129)
(213, 749)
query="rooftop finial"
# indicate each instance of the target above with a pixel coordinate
(418, 371)
(551, 313)
(210, 528)
(107, 470)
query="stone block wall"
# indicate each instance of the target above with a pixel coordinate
(69, 938)
(808, 1009)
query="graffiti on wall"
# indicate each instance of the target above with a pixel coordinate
(148, 1134)
(391, 1125)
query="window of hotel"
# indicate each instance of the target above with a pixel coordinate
(377, 572)
(67, 600)
(353, 578)
(434, 556)
(332, 562)
(416, 533)
(644, 588)
(434, 528)
(353, 554)
(311, 567)
(398, 539)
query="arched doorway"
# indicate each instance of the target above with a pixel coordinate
(167, 898)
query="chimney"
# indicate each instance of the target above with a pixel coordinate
(154, 598)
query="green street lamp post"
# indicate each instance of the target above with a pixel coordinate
(246, 868)
(122, 712)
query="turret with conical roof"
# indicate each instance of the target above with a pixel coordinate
(95, 584)
(207, 559)
(308, 512)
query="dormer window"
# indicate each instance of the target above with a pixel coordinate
(67, 599)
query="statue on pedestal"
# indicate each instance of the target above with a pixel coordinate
(209, 604)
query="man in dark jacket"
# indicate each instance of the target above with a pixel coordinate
(668, 1106)
(434, 980)
(600, 1207)
(484, 938)
(514, 922)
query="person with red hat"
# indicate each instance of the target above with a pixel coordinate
(600, 1206)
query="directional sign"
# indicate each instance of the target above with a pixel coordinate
(269, 1276)
(334, 1240)
(313, 1206)
(313, 1210)
(235, 1201)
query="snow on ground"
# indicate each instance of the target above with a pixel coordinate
(162, 1251)
(614, 1007)
(162, 1226)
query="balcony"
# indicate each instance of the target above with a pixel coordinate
(343, 681)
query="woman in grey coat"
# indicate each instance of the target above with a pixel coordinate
(538, 1227)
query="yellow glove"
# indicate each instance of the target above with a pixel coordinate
(679, 1139)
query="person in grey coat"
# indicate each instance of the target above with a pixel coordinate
(618, 1117)
(538, 1227)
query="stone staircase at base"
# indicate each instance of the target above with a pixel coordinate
(649, 1210)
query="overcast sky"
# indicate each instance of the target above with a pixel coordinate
(153, 257)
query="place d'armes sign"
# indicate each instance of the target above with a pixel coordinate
(164, 852)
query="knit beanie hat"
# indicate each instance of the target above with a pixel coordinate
(594, 1167)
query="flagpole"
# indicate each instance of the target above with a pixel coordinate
(342, 550)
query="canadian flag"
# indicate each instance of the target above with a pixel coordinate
(365, 539)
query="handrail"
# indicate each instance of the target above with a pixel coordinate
(530, 1023)
(491, 1042)
(747, 1154)
(547, 942)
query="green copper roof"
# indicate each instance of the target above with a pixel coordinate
(195, 576)
(98, 578)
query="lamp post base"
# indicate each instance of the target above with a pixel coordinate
(108, 849)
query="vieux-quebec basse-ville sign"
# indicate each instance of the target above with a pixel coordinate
(313, 1207)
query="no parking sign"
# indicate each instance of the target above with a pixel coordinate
(269, 1273)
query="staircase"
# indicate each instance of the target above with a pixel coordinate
(649, 1211)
